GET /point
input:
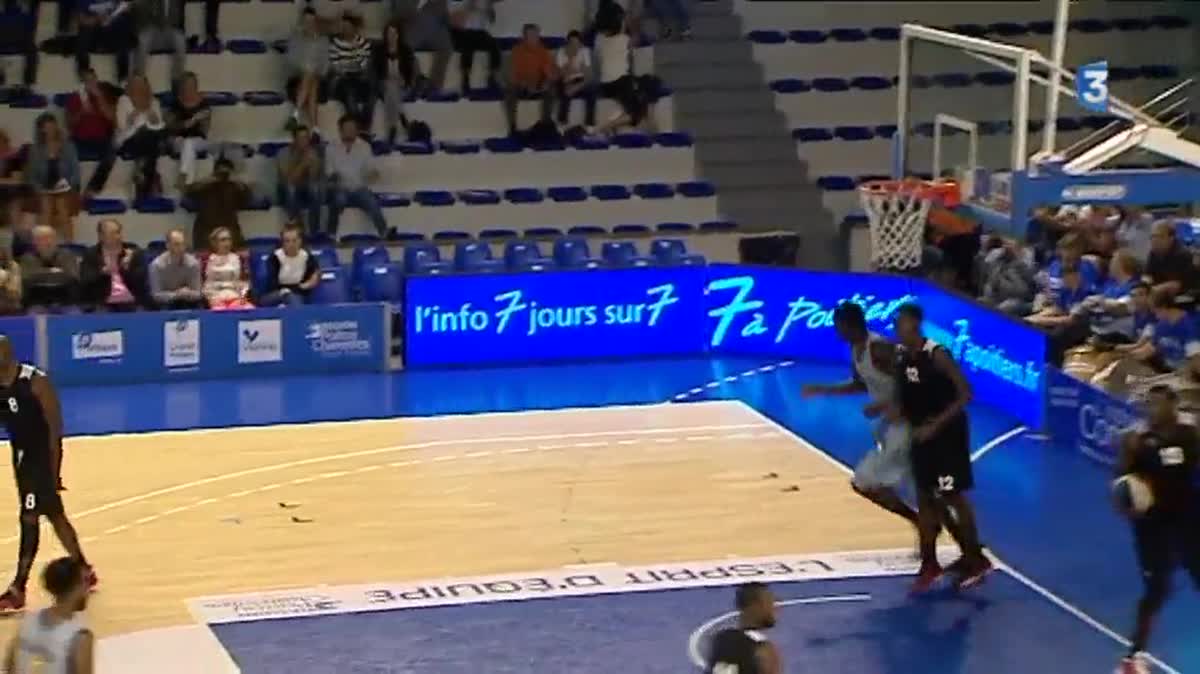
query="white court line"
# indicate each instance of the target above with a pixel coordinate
(699, 632)
(996, 442)
(1046, 594)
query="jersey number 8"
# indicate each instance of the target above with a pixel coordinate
(12, 405)
(30, 501)
(724, 668)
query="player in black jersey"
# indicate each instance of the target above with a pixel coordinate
(745, 649)
(1166, 454)
(933, 398)
(30, 410)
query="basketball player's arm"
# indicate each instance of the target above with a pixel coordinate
(82, 649)
(946, 365)
(44, 391)
(767, 656)
(1128, 452)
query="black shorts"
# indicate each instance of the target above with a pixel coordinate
(1164, 543)
(942, 464)
(38, 494)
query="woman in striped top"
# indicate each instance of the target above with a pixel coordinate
(349, 66)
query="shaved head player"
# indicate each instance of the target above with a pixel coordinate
(30, 410)
(745, 649)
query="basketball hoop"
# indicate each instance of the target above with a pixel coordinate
(897, 210)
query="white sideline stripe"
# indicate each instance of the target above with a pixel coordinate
(699, 632)
(1046, 594)
(996, 442)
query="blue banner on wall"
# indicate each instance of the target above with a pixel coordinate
(21, 331)
(118, 348)
(465, 320)
(1086, 418)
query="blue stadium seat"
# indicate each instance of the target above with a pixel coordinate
(808, 36)
(155, 248)
(971, 29)
(885, 130)
(923, 129)
(628, 229)
(415, 252)
(1169, 22)
(246, 46)
(321, 239)
(433, 198)
(632, 141)
(565, 194)
(383, 283)
(393, 199)
(674, 227)
(1008, 29)
(848, 35)
(610, 192)
(952, 80)
(871, 83)
(836, 183)
(404, 237)
(363, 239)
(364, 257)
(415, 149)
(1041, 27)
(586, 230)
(588, 143)
(524, 256)
(854, 219)
(921, 82)
(327, 258)
(497, 234)
(884, 34)
(503, 145)
(573, 253)
(1096, 122)
(654, 191)
(155, 205)
(718, 226)
(263, 98)
(812, 134)
(380, 148)
(219, 99)
(479, 197)
(271, 149)
(790, 85)
(694, 189)
(459, 146)
(542, 232)
(29, 102)
(673, 252)
(995, 78)
(1131, 24)
(1090, 26)
(524, 195)
(259, 270)
(1068, 124)
(674, 139)
(447, 235)
(767, 36)
(853, 133)
(474, 256)
(1160, 72)
(1121, 73)
(622, 254)
(271, 242)
(830, 84)
(97, 206)
(334, 287)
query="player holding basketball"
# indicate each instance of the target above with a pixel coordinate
(745, 649)
(55, 640)
(30, 410)
(1165, 454)
(933, 399)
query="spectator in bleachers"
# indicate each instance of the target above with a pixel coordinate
(1069, 256)
(349, 166)
(1007, 278)
(1113, 311)
(191, 118)
(674, 19)
(428, 27)
(112, 274)
(175, 276)
(575, 75)
(606, 16)
(18, 28)
(10, 283)
(49, 273)
(91, 119)
(350, 70)
(105, 24)
(308, 60)
(218, 198)
(1134, 229)
(300, 179)
(531, 73)
(292, 272)
(1170, 265)
(53, 173)
(473, 32)
(1171, 343)
(394, 67)
(225, 285)
(141, 132)
(1066, 306)
(13, 188)
(160, 26)
(615, 57)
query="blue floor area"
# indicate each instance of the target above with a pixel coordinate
(1042, 508)
(1004, 627)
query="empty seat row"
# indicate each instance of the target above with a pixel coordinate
(1003, 29)
(820, 134)
(949, 80)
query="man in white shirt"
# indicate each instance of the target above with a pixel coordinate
(576, 79)
(349, 166)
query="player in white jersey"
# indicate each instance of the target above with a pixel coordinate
(55, 640)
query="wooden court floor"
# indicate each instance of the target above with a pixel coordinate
(174, 515)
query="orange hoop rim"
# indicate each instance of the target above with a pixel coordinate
(923, 189)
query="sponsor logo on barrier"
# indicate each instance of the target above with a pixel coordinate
(1101, 426)
(181, 343)
(98, 345)
(1094, 193)
(273, 606)
(260, 341)
(336, 338)
(985, 356)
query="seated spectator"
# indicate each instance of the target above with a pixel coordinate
(1134, 231)
(50, 274)
(18, 28)
(308, 62)
(1112, 310)
(112, 274)
(141, 131)
(160, 26)
(175, 276)
(428, 29)
(53, 174)
(531, 73)
(1171, 343)
(1118, 325)
(575, 72)
(225, 285)
(674, 20)
(1007, 278)
(1070, 256)
(190, 117)
(394, 66)
(350, 72)
(108, 25)
(1102, 241)
(10, 283)
(92, 121)
(218, 199)
(300, 179)
(473, 32)
(614, 58)
(349, 166)
(292, 272)
(605, 16)
(13, 188)
(1170, 265)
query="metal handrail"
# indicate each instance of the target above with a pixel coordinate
(1107, 129)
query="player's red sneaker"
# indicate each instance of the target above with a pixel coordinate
(1133, 664)
(926, 578)
(12, 601)
(91, 578)
(973, 575)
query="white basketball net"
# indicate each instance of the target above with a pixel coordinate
(897, 212)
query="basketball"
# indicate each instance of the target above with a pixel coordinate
(1132, 495)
